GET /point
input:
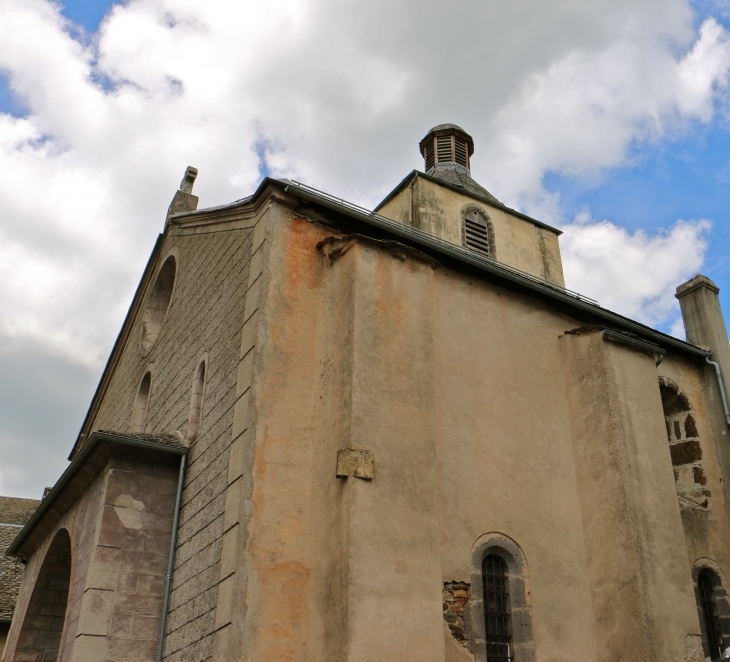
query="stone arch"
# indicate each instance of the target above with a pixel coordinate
(469, 223)
(197, 398)
(685, 448)
(158, 302)
(721, 598)
(42, 629)
(518, 600)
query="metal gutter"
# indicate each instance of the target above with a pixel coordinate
(622, 338)
(487, 265)
(721, 385)
(171, 558)
(73, 468)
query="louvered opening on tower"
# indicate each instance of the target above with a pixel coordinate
(444, 149)
(477, 233)
(461, 152)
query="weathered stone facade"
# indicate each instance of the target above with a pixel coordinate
(394, 444)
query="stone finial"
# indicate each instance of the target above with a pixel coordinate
(695, 283)
(186, 186)
(184, 200)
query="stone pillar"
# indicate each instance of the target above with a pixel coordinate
(704, 323)
(383, 583)
(641, 590)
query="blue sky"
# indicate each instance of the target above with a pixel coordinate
(559, 98)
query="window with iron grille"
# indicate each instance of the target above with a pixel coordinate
(476, 232)
(497, 624)
(705, 588)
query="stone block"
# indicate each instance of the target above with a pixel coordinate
(103, 572)
(244, 377)
(355, 462)
(248, 335)
(96, 612)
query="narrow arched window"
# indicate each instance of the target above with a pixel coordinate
(706, 589)
(141, 404)
(497, 626)
(196, 401)
(158, 303)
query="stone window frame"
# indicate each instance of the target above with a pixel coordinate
(145, 349)
(135, 425)
(490, 227)
(520, 604)
(721, 596)
(197, 398)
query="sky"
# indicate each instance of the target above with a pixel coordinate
(606, 118)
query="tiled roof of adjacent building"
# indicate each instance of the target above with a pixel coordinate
(14, 513)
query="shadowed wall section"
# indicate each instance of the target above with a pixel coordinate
(40, 637)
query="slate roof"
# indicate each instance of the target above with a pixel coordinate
(14, 513)
(164, 439)
(458, 175)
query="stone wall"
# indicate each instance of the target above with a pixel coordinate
(205, 316)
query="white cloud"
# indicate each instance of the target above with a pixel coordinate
(335, 94)
(635, 274)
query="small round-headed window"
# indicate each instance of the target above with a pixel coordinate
(196, 401)
(158, 303)
(141, 404)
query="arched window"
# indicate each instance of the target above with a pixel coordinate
(158, 303)
(497, 626)
(685, 447)
(705, 590)
(498, 614)
(478, 233)
(196, 401)
(141, 404)
(40, 636)
(713, 607)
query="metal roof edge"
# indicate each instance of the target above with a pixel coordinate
(73, 468)
(486, 264)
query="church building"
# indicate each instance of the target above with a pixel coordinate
(330, 434)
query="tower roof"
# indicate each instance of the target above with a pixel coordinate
(447, 130)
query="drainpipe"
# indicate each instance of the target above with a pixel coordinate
(410, 191)
(721, 385)
(615, 336)
(171, 560)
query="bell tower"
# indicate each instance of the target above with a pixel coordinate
(446, 144)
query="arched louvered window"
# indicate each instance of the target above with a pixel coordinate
(497, 626)
(158, 303)
(141, 404)
(706, 588)
(478, 233)
(196, 401)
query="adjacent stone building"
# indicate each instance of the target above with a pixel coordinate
(14, 513)
(393, 435)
